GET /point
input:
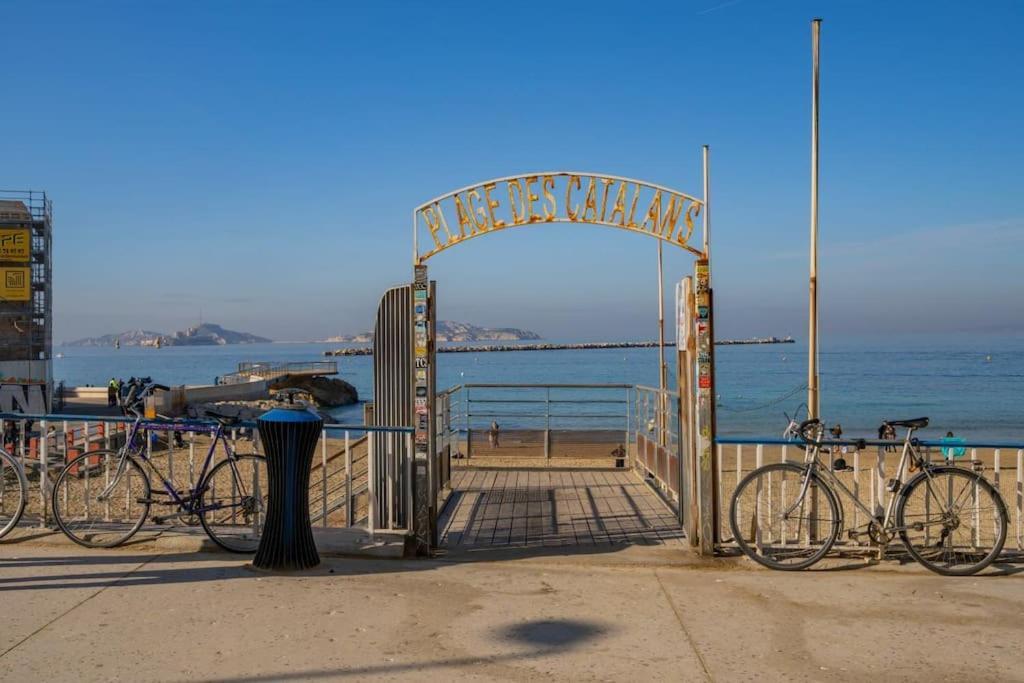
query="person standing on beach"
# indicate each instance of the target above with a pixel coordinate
(955, 449)
(112, 393)
(493, 434)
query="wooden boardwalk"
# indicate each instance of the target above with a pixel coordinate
(541, 508)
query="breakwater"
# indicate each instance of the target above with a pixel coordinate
(535, 346)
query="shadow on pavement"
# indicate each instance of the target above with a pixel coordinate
(544, 638)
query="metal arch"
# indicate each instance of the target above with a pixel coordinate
(421, 258)
(700, 203)
(582, 174)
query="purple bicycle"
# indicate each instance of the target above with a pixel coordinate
(103, 497)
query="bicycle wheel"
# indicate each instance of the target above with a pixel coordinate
(13, 493)
(233, 506)
(777, 527)
(101, 498)
(952, 520)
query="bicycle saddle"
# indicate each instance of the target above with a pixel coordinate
(914, 423)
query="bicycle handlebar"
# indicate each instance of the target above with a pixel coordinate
(801, 431)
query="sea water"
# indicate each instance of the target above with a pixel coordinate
(969, 384)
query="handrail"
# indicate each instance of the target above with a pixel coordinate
(544, 386)
(644, 387)
(776, 441)
(58, 417)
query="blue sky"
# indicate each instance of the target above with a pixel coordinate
(258, 161)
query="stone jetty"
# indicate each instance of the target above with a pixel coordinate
(552, 346)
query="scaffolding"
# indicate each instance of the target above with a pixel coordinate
(26, 303)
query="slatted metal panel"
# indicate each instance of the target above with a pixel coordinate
(393, 402)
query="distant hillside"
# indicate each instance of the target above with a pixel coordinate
(361, 338)
(449, 330)
(129, 338)
(207, 334)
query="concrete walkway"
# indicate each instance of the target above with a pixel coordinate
(602, 613)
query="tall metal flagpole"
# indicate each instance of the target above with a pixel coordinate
(662, 368)
(813, 397)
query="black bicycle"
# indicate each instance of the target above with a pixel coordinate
(950, 518)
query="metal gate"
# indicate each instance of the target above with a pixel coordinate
(416, 495)
(390, 463)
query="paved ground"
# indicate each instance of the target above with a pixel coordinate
(532, 508)
(606, 612)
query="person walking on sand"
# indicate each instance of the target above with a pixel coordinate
(493, 434)
(112, 393)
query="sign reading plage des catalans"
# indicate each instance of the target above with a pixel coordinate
(14, 244)
(556, 197)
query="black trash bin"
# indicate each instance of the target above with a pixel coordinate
(289, 436)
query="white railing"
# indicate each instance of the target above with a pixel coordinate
(873, 463)
(342, 493)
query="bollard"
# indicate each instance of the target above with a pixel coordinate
(289, 435)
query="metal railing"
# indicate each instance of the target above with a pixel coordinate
(343, 472)
(872, 462)
(656, 433)
(584, 421)
(272, 370)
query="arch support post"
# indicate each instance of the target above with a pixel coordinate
(706, 454)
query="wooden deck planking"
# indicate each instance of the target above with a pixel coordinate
(550, 508)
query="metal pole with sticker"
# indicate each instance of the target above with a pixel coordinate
(704, 338)
(422, 410)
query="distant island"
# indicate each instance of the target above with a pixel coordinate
(204, 334)
(451, 331)
(486, 348)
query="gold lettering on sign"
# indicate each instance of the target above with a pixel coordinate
(604, 196)
(692, 212)
(435, 222)
(571, 213)
(516, 202)
(590, 202)
(548, 185)
(620, 205)
(492, 204)
(670, 216)
(653, 214)
(631, 223)
(530, 181)
(481, 225)
(463, 218)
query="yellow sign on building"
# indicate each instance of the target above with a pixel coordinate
(15, 284)
(15, 244)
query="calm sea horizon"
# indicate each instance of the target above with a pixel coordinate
(969, 384)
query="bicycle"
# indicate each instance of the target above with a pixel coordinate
(13, 491)
(949, 518)
(229, 500)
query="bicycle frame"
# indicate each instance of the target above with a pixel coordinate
(188, 504)
(814, 465)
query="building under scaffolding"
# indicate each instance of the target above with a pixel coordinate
(26, 300)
